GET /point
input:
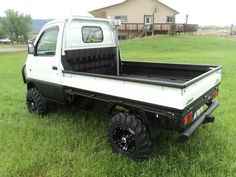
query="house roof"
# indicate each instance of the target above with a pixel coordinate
(168, 7)
(126, 1)
(108, 6)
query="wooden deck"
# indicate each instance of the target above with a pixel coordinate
(159, 27)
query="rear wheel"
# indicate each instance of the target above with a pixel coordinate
(35, 102)
(129, 136)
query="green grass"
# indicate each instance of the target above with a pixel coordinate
(68, 142)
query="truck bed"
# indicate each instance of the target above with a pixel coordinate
(101, 62)
(95, 70)
(162, 74)
(179, 74)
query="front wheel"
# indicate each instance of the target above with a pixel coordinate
(35, 102)
(129, 136)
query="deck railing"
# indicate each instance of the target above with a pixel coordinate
(159, 27)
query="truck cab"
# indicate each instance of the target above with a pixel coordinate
(46, 56)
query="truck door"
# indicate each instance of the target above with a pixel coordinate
(44, 65)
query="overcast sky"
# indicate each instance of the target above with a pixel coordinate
(203, 12)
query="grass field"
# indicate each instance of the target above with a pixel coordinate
(68, 142)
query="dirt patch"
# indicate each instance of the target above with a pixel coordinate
(12, 46)
(12, 49)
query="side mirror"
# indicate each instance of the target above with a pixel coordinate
(31, 49)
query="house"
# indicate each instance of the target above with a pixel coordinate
(139, 17)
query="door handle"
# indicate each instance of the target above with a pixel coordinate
(54, 68)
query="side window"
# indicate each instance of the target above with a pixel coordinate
(92, 34)
(48, 42)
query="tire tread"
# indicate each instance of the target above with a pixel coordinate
(40, 101)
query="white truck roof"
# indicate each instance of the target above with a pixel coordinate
(115, 22)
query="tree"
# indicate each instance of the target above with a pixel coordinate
(2, 33)
(16, 25)
(173, 27)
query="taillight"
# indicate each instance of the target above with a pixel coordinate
(188, 118)
(214, 94)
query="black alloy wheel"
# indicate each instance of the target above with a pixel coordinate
(124, 140)
(129, 136)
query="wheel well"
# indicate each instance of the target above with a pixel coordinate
(139, 112)
(31, 85)
(145, 117)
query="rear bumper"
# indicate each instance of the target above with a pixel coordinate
(187, 133)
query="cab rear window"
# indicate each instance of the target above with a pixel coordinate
(92, 34)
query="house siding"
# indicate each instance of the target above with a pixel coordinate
(135, 10)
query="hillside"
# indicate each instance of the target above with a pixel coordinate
(37, 24)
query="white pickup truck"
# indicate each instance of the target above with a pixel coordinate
(76, 61)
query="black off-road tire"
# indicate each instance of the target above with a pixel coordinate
(129, 136)
(35, 102)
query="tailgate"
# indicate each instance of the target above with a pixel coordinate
(200, 85)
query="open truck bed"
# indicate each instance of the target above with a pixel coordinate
(179, 75)
(161, 84)
(102, 62)
(167, 74)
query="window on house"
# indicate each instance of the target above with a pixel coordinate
(169, 19)
(147, 20)
(123, 19)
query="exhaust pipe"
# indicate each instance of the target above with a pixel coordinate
(205, 118)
